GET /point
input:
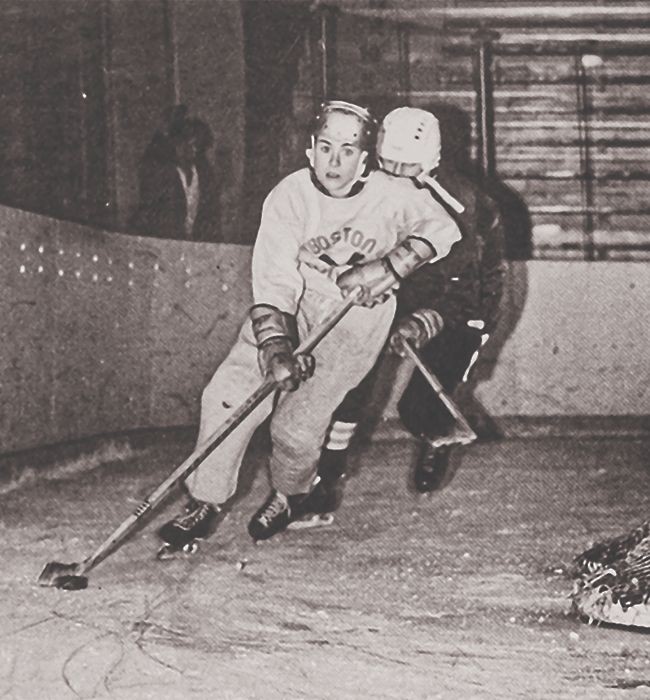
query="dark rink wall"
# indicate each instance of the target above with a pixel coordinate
(103, 332)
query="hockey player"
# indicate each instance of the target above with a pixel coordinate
(325, 230)
(445, 310)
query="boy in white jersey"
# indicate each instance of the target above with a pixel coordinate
(325, 230)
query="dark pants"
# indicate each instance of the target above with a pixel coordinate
(422, 413)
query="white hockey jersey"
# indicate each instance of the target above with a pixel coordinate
(304, 233)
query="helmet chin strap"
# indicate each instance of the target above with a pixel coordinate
(441, 191)
(358, 173)
(310, 152)
(422, 176)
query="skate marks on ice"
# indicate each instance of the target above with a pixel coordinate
(294, 635)
(273, 628)
(388, 611)
(341, 636)
(70, 655)
(115, 641)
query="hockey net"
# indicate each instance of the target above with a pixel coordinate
(612, 580)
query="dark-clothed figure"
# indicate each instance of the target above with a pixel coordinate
(445, 310)
(179, 193)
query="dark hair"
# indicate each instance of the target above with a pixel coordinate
(176, 116)
(182, 127)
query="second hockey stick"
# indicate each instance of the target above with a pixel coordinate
(464, 435)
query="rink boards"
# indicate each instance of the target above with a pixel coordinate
(103, 332)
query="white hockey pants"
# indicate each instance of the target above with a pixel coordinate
(301, 418)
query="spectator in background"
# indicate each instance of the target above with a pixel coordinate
(179, 192)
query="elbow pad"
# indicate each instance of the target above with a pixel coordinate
(408, 255)
(269, 323)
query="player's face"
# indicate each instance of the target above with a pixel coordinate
(336, 155)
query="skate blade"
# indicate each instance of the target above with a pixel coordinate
(314, 521)
(167, 551)
(457, 438)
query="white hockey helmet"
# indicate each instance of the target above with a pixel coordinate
(408, 145)
(409, 140)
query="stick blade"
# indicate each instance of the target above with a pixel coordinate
(55, 570)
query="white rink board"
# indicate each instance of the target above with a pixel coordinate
(104, 332)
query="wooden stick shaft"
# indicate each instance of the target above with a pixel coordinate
(266, 388)
(435, 384)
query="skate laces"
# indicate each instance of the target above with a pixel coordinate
(194, 516)
(428, 461)
(275, 506)
(429, 456)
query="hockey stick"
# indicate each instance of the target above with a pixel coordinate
(465, 435)
(73, 576)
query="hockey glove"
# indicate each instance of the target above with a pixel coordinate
(276, 336)
(418, 329)
(379, 278)
(368, 277)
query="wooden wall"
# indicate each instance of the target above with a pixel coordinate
(85, 84)
(51, 121)
(570, 97)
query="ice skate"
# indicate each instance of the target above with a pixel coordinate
(431, 468)
(317, 508)
(311, 521)
(183, 534)
(274, 515)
